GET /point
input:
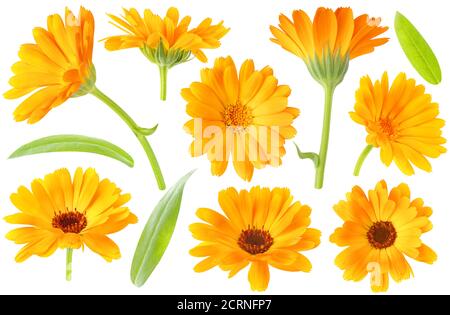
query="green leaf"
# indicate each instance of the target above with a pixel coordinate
(308, 155)
(157, 233)
(417, 50)
(74, 143)
(147, 131)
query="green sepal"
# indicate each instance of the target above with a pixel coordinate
(330, 69)
(165, 57)
(87, 86)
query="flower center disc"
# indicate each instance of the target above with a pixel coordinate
(255, 241)
(70, 221)
(387, 127)
(382, 235)
(237, 115)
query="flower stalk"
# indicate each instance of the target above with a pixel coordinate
(163, 70)
(69, 254)
(320, 167)
(361, 159)
(138, 132)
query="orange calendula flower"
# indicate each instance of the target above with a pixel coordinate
(61, 212)
(59, 66)
(56, 67)
(401, 120)
(379, 230)
(261, 227)
(326, 45)
(166, 41)
(242, 114)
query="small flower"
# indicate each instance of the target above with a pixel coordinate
(245, 115)
(327, 43)
(261, 227)
(59, 212)
(59, 65)
(165, 41)
(401, 120)
(379, 230)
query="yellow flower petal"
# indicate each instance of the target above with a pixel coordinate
(102, 245)
(259, 276)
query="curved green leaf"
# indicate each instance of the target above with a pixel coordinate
(157, 233)
(314, 157)
(417, 50)
(74, 143)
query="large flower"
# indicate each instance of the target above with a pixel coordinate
(63, 213)
(261, 227)
(331, 36)
(58, 65)
(379, 230)
(401, 120)
(165, 41)
(245, 115)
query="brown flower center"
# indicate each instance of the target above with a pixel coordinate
(386, 126)
(382, 234)
(237, 116)
(255, 241)
(69, 221)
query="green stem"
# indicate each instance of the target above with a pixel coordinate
(320, 169)
(163, 70)
(69, 254)
(361, 159)
(135, 128)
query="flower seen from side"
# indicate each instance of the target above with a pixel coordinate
(165, 41)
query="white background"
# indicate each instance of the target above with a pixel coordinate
(133, 82)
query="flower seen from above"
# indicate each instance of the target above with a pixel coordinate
(260, 228)
(54, 68)
(379, 230)
(401, 120)
(166, 41)
(65, 213)
(240, 115)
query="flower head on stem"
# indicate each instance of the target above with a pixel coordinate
(165, 41)
(69, 213)
(401, 120)
(326, 45)
(59, 66)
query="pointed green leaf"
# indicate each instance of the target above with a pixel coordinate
(74, 143)
(157, 233)
(147, 131)
(308, 155)
(417, 50)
